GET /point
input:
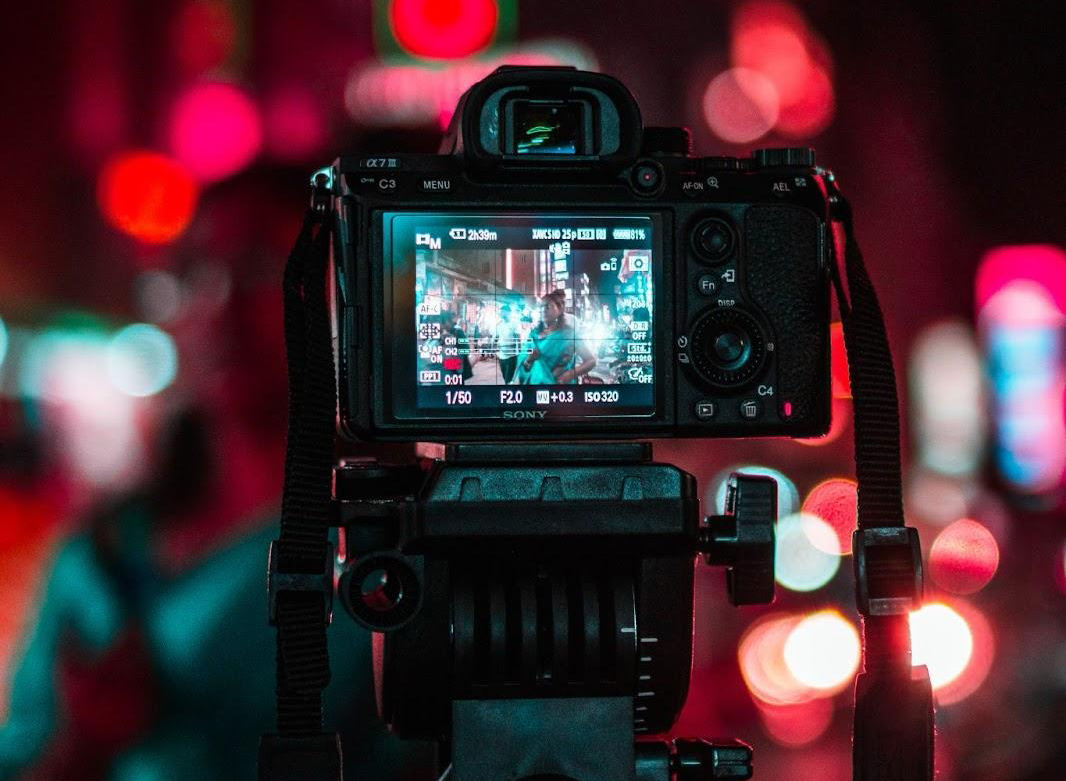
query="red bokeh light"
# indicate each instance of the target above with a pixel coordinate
(835, 501)
(963, 557)
(147, 195)
(203, 35)
(958, 645)
(839, 362)
(813, 110)
(443, 29)
(740, 105)
(215, 130)
(1043, 264)
(796, 724)
(838, 425)
(772, 38)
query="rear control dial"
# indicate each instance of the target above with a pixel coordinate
(727, 348)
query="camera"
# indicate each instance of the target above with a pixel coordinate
(561, 271)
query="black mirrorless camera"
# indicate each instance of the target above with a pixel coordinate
(558, 270)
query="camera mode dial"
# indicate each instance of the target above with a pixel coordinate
(727, 347)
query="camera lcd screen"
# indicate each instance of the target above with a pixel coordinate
(531, 317)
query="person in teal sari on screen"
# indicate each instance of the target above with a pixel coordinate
(554, 347)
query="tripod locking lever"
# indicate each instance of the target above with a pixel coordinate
(742, 540)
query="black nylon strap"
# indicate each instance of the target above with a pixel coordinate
(303, 543)
(873, 386)
(893, 732)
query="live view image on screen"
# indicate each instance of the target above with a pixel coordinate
(548, 312)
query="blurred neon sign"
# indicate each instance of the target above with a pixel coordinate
(1021, 299)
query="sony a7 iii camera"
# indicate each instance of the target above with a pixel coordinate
(560, 271)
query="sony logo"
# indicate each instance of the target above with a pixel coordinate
(524, 414)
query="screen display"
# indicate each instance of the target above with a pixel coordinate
(547, 316)
(547, 129)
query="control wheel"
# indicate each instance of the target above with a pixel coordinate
(728, 348)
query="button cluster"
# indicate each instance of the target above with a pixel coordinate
(748, 409)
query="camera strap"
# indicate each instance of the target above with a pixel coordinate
(893, 728)
(300, 579)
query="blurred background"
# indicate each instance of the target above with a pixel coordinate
(153, 175)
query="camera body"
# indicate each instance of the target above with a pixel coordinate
(559, 271)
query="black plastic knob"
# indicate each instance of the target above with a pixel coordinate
(703, 760)
(785, 157)
(743, 539)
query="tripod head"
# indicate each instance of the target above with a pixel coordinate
(539, 599)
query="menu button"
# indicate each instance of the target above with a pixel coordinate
(435, 184)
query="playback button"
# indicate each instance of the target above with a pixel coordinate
(705, 410)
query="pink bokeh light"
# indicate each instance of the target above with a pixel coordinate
(215, 130)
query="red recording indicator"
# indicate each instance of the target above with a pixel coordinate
(452, 364)
(786, 409)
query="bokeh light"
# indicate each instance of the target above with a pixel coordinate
(772, 38)
(813, 111)
(802, 565)
(1023, 330)
(141, 360)
(835, 501)
(982, 655)
(822, 651)
(1042, 264)
(947, 398)
(942, 641)
(3, 341)
(63, 373)
(839, 374)
(796, 724)
(443, 29)
(159, 295)
(936, 498)
(787, 493)
(963, 557)
(838, 424)
(761, 656)
(741, 105)
(386, 95)
(215, 130)
(147, 195)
